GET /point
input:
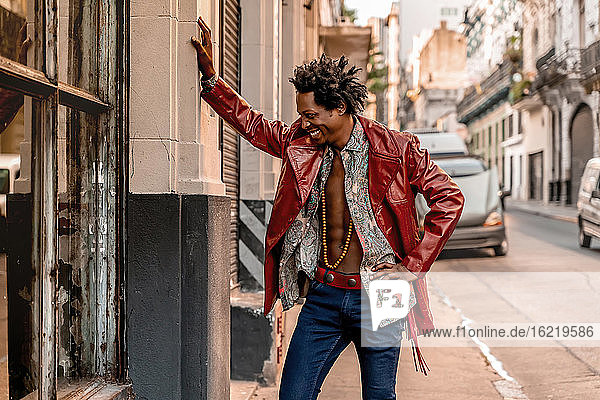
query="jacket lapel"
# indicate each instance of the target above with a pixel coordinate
(384, 160)
(305, 158)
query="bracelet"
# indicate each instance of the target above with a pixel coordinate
(209, 84)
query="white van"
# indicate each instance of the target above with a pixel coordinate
(588, 203)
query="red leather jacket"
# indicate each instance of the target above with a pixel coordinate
(398, 169)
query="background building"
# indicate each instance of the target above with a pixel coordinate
(402, 36)
(392, 53)
(488, 25)
(531, 116)
(451, 11)
(559, 133)
(494, 54)
(377, 71)
(442, 76)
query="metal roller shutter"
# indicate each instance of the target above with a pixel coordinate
(230, 67)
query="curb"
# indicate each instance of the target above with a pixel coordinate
(543, 214)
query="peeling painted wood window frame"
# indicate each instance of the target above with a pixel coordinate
(104, 330)
(34, 83)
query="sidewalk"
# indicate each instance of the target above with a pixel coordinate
(563, 213)
(242, 390)
(456, 372)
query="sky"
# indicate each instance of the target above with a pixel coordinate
(369, 8)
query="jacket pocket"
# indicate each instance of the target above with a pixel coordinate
(395, 196)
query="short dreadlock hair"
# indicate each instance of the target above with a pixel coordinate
(332, 83)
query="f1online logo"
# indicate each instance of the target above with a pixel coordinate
(381, 298)
(388, 299)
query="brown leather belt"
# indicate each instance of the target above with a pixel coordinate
(337, 279)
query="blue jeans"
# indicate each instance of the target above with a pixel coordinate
(330, 319)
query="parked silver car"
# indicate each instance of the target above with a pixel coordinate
(481, 224)
(443, 144)
(588, 203)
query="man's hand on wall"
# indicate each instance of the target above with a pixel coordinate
(204, 50)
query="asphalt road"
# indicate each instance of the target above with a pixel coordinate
(545, 278)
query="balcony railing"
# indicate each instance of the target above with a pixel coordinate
(553, 67)
(540, 62)
(492, 89)
(590, 60)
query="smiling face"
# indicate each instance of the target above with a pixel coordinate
(324, 126)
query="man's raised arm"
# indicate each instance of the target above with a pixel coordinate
(264, 134)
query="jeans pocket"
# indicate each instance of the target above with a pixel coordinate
(314, 285)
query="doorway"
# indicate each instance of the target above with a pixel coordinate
(582, 147)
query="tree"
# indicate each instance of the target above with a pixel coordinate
(377, 72)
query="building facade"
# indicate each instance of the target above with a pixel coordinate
(392, 53)
(494, 55)
(181, 174)
(415, 29)
(590, 66)
(534, 149)
(554, 117)
(487, 25)
(560, 118)
(377, 70)
(413, 20)
(489, 117)
(441, 71)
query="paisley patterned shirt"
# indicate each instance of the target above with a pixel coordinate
(302, 245)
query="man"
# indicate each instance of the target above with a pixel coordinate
(343, 212)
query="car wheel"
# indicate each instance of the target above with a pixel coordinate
(584, 240)
(502, 249)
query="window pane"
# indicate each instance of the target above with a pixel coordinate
(84, 245)
(77, 256)
(86, 194)
(78, 44)
(12, 25)
(17, 333)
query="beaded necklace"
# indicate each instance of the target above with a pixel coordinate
(324, 236)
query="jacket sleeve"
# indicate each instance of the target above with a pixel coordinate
(443, 197)
(264, 134)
